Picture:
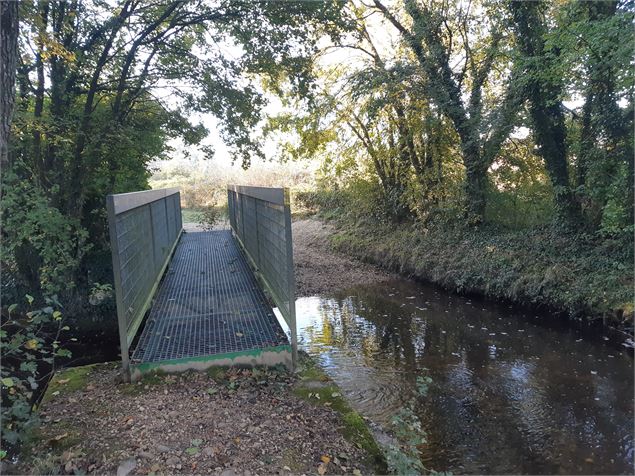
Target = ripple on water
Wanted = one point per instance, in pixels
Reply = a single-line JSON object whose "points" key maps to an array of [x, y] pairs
{"points": [[510, 394]]}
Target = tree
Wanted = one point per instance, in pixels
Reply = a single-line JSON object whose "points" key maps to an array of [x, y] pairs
{"points": [[601, 34], [373, 110], [544, 88], [8, 61], [439, 35], [103, 88]]}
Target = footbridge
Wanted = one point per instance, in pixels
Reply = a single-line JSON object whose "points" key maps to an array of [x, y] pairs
{"points": [[196, 299]]}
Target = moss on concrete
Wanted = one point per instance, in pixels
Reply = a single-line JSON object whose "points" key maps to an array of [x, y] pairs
{"points": [[69, 380], [317, 388], [156, 377]]}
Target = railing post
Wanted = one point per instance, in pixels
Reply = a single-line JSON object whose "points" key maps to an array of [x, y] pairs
{"points": [[242, 219], [290, 279], [154, 246], [179, 213], [167, 221], [121, 312], [257, 234]]}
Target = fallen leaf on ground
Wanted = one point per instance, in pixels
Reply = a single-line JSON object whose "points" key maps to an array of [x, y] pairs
{"points": [[325, 459]]}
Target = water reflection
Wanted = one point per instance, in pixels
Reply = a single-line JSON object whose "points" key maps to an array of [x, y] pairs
{"points": [[511, 393]]}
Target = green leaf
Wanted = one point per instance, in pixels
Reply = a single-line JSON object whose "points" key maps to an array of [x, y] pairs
{"points": [[196, 442], [12, 307], [66, 328], [7, 382], [57, 315], [28, 367], [63, 353], [29, 298], [192, 450]]}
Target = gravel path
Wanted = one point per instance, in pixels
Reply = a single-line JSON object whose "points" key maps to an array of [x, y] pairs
{"points": [[321, 270], [243, 422]]}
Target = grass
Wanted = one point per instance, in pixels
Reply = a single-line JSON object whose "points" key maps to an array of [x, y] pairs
{"points": [[191, 215]]}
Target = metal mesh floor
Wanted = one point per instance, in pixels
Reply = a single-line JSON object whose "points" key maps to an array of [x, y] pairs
{"points": [[209, 302]]}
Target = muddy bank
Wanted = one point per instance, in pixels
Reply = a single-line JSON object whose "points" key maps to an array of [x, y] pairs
{"points": [[319, 269], [220, 422]]}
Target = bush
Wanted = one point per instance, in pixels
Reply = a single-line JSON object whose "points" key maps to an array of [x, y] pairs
{"points": [[360, 199], [30, 344], [42, 247]]}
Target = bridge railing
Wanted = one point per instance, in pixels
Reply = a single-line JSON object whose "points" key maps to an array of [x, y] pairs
{"points": [[144, 230], [261, 220]]}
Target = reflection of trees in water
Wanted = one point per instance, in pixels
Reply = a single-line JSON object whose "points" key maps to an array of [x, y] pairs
{"points": [[382, 328], [512, 403]]}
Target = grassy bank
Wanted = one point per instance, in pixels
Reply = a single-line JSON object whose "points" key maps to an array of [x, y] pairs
{"points": [[580, 274]]}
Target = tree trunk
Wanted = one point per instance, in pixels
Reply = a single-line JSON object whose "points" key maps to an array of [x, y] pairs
{"points": [[9, 27], [543, 92], [550, 133], [475, 187], [75, 203]]}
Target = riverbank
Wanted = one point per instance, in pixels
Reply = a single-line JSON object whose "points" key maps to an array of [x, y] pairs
{"points": [[225, 421], [321, 270], [565, 274]]}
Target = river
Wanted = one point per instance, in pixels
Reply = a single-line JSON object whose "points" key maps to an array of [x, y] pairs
{"points": [[512, 391]]}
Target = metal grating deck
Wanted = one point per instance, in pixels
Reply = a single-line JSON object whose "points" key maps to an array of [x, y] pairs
{"points": [[208, 303]]}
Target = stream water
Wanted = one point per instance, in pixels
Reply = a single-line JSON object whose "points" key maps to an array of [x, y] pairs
{"points": [[512, 392]]}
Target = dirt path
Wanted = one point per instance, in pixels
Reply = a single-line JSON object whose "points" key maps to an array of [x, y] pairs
{"points": [[225, 422], [236, 422], [319, 269]]}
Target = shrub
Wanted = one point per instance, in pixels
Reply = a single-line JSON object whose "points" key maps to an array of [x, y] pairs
{"points": [[30, 344], [42, 247]]}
